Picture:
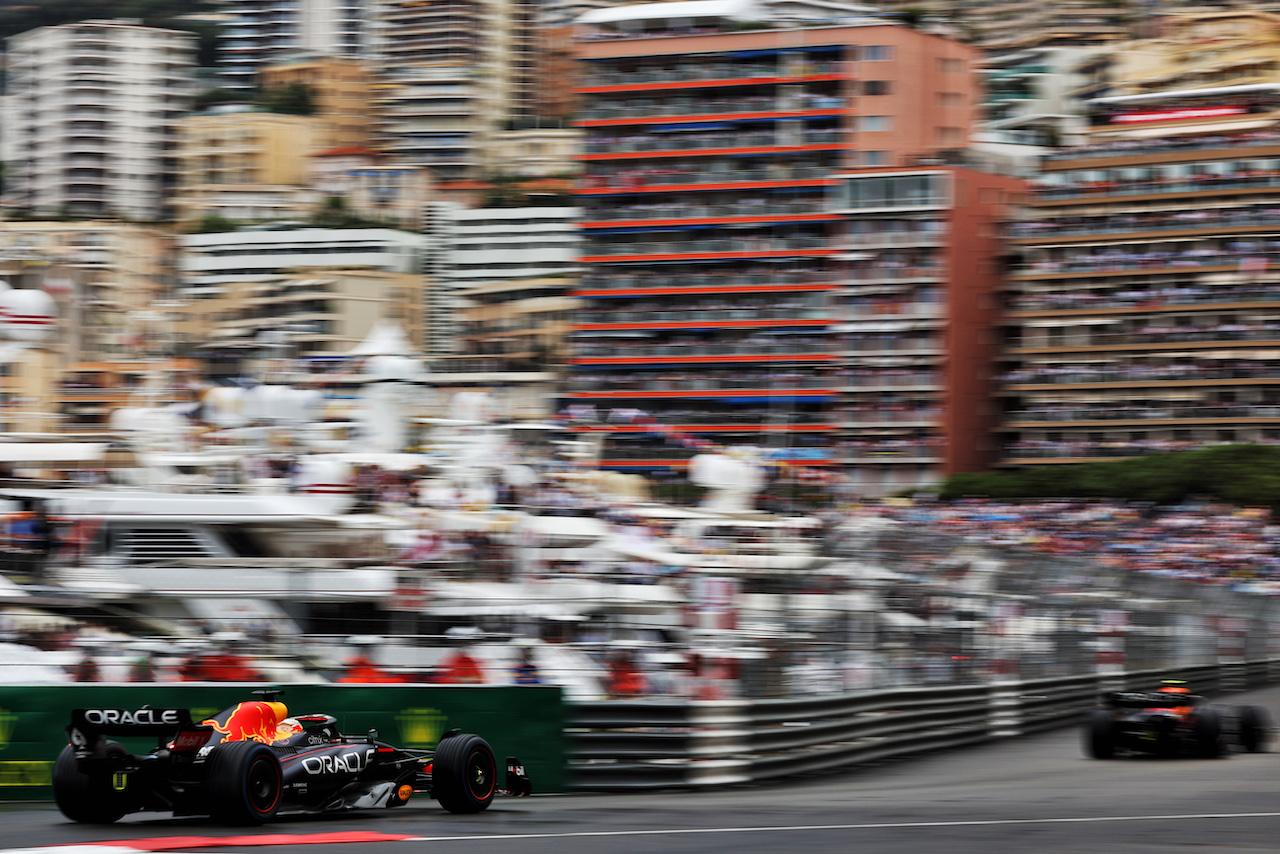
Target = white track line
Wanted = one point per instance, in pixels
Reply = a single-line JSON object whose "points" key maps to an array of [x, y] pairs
{"points": [[796, 828], [905, 825]]}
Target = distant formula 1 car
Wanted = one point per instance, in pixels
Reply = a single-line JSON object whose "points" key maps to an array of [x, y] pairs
{"points": [[252, 761], [1171, 721]]}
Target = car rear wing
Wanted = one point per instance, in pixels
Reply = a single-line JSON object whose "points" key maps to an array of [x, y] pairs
{"points": [[89, 727], [1150, 700]]}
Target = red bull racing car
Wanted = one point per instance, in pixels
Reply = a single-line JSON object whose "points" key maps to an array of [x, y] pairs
{"points": [[1171, 721], [252, 761]]}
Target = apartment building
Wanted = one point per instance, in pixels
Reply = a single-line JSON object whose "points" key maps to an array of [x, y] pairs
{"points": [[716, 246], [1010, 24], [103, 276], [450, 76], [106, 282], [921, 312], [212, 262], [509, 271], [371, 186], [245, 165], [309, 316], [259, 33], [500, 311], [310, 293], [340, 91], [91, 116], [1144, 311], [1201, 49], [1030, 95]]}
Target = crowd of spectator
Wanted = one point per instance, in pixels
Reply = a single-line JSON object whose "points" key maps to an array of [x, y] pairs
{"points": [[1091, 449], [1165, 143], [1117, 410], [1155, 297], [732, 273], [1202, 542], [1156, 370], [1118, 258], [714, 170], [1154, 221]]}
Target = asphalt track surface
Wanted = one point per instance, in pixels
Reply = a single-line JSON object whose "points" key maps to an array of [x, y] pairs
{"points": [[1031, 794]]}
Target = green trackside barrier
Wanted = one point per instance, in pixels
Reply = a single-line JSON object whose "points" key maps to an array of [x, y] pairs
{"points": [[523, 721]]}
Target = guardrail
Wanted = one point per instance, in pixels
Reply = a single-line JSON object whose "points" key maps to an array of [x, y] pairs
{"points": [[646, 745]]}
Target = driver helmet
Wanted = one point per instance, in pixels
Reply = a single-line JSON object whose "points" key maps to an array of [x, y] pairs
{"points": [[287, 728]]}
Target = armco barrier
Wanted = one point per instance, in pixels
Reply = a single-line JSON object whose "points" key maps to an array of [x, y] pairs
{"points": [[527, 721], [644, 745]]}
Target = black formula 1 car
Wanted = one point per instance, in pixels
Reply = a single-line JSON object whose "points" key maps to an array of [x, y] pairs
{"points": [[1171, 722], [252, 761]]}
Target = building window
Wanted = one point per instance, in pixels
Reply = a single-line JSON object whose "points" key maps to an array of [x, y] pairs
{"points": [[875, 123], [877, 53], [875, 158], [950, 136], [875, 87], [950, 99], [894, 191]]}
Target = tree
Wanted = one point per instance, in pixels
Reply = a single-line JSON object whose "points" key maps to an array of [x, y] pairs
{"points": [[334, 213], [912, 17], [1243, 475], [213, 223], [294, 99]]}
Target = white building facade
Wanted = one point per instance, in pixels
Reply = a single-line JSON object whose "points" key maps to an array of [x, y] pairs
{"points": [[212, 261], [90, 119], [482, 256], [262, 32]]}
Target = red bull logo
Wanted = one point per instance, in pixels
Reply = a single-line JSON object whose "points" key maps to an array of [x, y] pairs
{"points": [[251, 721]]}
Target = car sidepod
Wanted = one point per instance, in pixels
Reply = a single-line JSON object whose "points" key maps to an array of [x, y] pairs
{"points": [[346, 775]]}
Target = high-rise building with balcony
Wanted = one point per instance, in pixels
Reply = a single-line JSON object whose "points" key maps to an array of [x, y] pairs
{"points": [[91, 117], [259, 33], [501, 309], [452, 74], [716, 246], [919, 340], [1144, 310]]}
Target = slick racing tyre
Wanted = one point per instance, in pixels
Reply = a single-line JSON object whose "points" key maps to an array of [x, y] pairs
{"points": [[1208, 734], [100, 796], [1100, 734], [1254, 728], [464, 774], [243, 783]]}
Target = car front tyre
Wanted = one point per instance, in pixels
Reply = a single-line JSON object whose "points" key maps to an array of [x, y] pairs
{"points": [[464, 773], [1100, 734], [1208, 734]]}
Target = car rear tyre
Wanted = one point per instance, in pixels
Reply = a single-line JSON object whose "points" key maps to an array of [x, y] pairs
{"points": [[1208, 731], [464, 773], [1254, 728], [244, 782], [96, 797], [1100, 734]]}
